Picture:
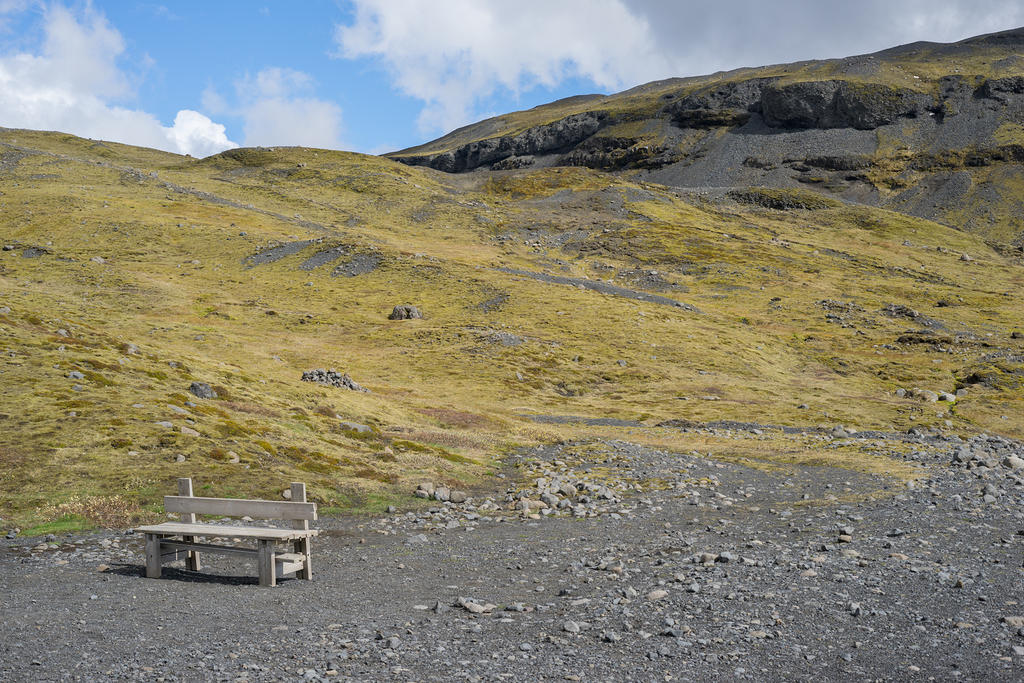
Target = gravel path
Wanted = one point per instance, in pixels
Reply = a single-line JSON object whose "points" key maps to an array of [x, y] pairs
{"points": [[601, 560]]}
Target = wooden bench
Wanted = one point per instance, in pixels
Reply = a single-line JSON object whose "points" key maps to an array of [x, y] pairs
{"points": [[172, 541]]}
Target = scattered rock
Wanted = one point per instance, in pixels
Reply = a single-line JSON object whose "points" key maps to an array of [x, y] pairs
{"points": [[474, 607], [355, 427], [332, 378], [202, 390], [405, 312]]}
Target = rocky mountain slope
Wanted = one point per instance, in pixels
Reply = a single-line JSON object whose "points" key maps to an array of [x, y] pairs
{"points": [[932, 130]]}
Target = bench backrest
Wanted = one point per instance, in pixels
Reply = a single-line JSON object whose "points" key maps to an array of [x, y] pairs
{"points": [[188, 506]]}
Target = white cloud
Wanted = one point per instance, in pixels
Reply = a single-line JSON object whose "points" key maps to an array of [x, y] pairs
{"points": [[454, 54], [199, 135], [74, 83], [277, 108]]}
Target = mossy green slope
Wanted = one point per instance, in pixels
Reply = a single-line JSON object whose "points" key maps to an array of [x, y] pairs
{"points": [[134, 269]]}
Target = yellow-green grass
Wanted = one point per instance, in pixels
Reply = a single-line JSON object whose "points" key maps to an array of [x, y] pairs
{"points": [[446, 397]]}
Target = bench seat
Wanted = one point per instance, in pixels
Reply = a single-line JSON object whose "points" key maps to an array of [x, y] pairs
{"points": [[269, 533], [173, 541]]}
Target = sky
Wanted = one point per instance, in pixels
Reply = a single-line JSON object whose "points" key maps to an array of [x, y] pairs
{"points": [[197, 77]]}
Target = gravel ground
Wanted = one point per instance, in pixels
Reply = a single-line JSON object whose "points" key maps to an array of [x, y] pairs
{"points": [[602, 560]]}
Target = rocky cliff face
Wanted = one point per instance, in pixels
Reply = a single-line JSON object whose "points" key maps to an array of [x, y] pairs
{"points": [[865, 129], [558, 136]]}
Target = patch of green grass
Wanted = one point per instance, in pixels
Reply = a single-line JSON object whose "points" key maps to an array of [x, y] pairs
{"points": [[65, 525]]}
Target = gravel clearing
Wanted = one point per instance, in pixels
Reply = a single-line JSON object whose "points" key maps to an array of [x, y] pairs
{"points": [[599, 560]]}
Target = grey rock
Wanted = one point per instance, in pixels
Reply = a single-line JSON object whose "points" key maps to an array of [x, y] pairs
{"points": [[202, 390], [1014, 463], [405, 312], [355, 427], [332, 378]]}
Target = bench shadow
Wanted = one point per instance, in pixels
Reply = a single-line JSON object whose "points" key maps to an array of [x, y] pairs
{"points": [[184, 575]]}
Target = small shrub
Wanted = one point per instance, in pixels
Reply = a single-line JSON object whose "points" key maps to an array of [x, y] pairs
{"points": [[229, 428], [104, 511], [267, 446], [222, 392], [326, 411], [98, 378]]}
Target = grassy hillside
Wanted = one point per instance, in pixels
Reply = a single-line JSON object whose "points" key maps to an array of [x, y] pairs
{"points": [[143, 272]]}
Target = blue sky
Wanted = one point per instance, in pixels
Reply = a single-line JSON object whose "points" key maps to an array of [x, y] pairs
{"points": [[379, 75]]}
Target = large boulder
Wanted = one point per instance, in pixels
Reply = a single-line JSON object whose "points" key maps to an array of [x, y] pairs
{"points": [[202, 390], [405, 312]]}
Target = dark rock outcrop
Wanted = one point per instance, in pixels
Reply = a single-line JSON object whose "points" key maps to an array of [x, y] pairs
{"points": [[728, 105], [839, 104], [550, 138]]}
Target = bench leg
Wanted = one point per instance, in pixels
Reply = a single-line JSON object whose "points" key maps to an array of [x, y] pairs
{"points": [[265, 563], [153, 564], [193, 555], [302, 547]]}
